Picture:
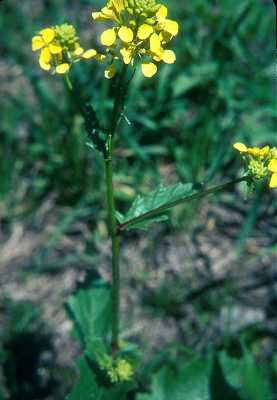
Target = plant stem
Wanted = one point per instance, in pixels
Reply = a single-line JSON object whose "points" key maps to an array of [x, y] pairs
{"points": [[115, 247], [112, 223], [68, 82]]}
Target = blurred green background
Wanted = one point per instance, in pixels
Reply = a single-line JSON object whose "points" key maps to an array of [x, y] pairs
{"points": [[179, 126]]}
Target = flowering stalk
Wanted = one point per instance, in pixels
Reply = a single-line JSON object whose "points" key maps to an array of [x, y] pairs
{"points": [[115, 246], [113, 229]]}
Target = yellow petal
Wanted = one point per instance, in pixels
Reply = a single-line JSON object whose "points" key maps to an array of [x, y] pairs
{"points": [[155, 43], [110, 72], [62, 68], [161, 13], [79, 51], [118, 5], [43, 65], [171, 27], [126, 55], [45, 55], [37, 43], [272, 166], [108, 37], [240, 147], [96, 15], [145, 31], [107, 13], [55, 49], [104, 14], [47, 34], [264, 151], [254, 151], [148, 69], [273, 181], [126, 34], [169, 57], [89, 54]]}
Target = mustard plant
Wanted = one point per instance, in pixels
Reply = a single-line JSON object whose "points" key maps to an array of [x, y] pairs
{"points": [[139, 33]]}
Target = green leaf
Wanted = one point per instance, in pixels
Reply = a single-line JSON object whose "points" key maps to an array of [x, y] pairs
{"points": [[160, 199], [191, 383], [255, 382], [91, 310], [95, 132], [275, 364], [219, 386], [231, 368], [86, 387]]}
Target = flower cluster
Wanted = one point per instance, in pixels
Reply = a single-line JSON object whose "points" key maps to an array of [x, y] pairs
{"points": [[140, 30], [260, 162], [59, 48], [118, 370], [122, 371]]}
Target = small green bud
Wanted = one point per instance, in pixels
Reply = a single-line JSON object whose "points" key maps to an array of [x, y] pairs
{"points": [[141, 7], [257, 169], [66, 35]]}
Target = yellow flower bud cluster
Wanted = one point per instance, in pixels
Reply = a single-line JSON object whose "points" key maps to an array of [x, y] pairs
{"points": [[118, 370], [141, 6], [260, 162], [59, 48], [121, 371], [140, 30]]}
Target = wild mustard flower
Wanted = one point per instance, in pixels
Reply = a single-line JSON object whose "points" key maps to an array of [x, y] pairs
{"points": [[139, 31], [59, 48], [260, 162]]}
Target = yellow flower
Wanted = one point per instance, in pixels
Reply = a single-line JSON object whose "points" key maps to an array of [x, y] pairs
{"points": [[44, 41], [59, 48], [140, 30], [260, 162]]}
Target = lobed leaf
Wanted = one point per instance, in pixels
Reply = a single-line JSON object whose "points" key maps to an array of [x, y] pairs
{"points": [[160, 199], [191, 383]]}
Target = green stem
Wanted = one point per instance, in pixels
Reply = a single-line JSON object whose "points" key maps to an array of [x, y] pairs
{"points": [[167, 206], [115, 247], [121, 91], [112, 223], [68, 82]]}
